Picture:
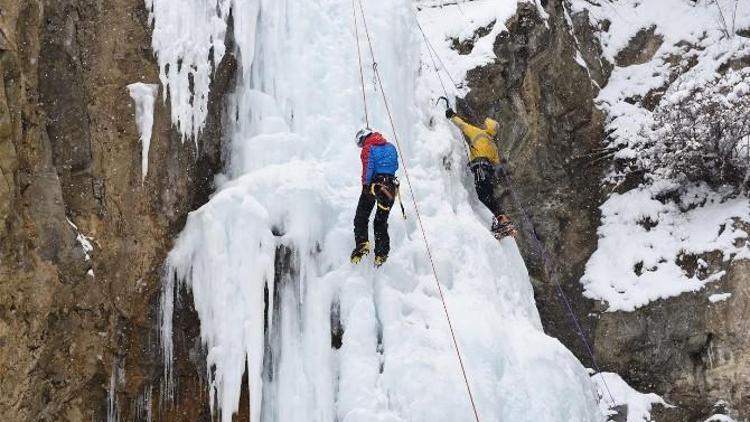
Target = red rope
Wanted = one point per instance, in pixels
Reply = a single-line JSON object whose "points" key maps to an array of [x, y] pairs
{"points": [[419, 217]]}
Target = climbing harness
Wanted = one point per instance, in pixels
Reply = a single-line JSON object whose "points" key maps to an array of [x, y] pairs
{"points": [[378, 189], [416, 206], [381, 189], [392, 197]]}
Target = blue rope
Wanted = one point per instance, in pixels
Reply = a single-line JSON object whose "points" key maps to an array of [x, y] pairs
{"points": [[554, 276]]}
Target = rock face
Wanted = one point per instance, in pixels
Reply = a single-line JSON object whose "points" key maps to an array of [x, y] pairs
{"points": [[550, 132], [692, 352], [70, 175]]}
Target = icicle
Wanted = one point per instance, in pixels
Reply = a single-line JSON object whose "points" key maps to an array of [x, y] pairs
{"points": [[144, 96]]}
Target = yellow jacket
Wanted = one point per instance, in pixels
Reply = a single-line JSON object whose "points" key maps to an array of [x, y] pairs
{"points": [[481, 144]]}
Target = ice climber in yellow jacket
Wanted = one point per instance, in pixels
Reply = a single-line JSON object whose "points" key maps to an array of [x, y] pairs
{"points": [[484, 159]]}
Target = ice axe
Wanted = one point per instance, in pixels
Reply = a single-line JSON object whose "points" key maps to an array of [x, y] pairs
{"points": [[398, 196], [447, 102]]}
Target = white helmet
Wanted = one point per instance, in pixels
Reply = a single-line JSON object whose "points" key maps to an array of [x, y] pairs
{"points": [[362, 136]]}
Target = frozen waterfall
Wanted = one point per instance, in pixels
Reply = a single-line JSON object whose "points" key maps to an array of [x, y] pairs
{"points": [[267, 258]]}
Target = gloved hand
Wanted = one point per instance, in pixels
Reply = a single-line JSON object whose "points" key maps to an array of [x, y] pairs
{"points": [[449, 113]]}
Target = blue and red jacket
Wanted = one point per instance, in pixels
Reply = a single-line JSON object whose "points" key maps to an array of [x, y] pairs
{"points": [[378, 157]]}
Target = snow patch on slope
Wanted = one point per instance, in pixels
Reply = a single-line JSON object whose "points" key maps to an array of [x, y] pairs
{"points": [[83, 240], [643, 239], [690, 32], [719, 297], [635, 264], [720, 418], [637, 405], [460, 22]]}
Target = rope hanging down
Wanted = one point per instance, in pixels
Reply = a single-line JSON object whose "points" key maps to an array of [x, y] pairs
{"points": [[432, 51], [432, 58], [359, 59], [419, 217]]}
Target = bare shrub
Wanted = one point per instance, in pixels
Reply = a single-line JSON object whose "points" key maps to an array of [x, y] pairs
{"points": [[702, 134]]}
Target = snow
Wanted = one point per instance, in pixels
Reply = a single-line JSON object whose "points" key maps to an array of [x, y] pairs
{"points": [[290, 189], [637, 405], [144, 96], [722, 412], [627, 243], [693, 39], [720, 418], [719, 297], [689, 31], [84, 241], [441, 24], [675, 20]]}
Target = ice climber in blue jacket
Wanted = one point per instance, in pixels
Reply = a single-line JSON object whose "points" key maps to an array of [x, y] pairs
{"points": [[379, 187]]}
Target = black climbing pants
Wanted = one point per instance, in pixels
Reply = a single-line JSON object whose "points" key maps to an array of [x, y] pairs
{"points": [[384, 189], [484, 182]]}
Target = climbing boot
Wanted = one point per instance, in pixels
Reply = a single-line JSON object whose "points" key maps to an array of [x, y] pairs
{"points": [[360, 252], [502, 227], [380, 260]]}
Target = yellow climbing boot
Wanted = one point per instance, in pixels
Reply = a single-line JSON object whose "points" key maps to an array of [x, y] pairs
{"points": [[360, 252], [380, 260], [503, 227]]}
